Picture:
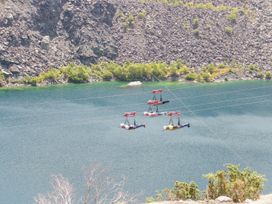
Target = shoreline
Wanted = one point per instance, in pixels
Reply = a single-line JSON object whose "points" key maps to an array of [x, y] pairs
{"points": [[175, 71], [124, 84]]}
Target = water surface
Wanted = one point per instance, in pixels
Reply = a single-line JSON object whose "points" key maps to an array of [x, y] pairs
{"points": [[63, 129]]}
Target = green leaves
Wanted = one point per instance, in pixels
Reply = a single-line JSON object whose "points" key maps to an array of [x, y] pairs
{"points": [[232, 182], [235, 183], [180, 191]]}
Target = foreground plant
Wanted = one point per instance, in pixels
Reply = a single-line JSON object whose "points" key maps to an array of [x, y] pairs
{"points": [[99, 189], [180, 191], [235, 183]]}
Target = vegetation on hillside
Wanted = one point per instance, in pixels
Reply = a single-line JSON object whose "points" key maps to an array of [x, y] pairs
{"points": [[107, 71], [233, 182], [2, 78], [209, 6], [153, 71]]}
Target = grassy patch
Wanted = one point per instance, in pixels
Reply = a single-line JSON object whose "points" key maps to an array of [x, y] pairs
{"points": [[229, 30], [207, 6], [142, 14]]}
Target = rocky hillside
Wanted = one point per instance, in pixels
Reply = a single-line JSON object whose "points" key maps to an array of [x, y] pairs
{"points": [[36, 35]]}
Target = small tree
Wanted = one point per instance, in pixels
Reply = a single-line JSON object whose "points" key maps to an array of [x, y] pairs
{"points": [[62, 192], [180, 191], [235, 183], [268, 75], [102, 189], [99, 189]]}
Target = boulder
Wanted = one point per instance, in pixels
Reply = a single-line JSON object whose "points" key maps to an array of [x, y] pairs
{"points": [[8, 20], [14, 70], [248, 201], [135, 83], [45, 42], [223, 199]]}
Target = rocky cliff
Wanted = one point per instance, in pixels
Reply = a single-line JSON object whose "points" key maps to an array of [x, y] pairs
{"points": [[36, 35]]}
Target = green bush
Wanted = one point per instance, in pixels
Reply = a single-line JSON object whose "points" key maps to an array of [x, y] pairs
{"points": [[211, 68], [180, 191], [53, 75], [254, 67], [260, 75], [233, 15], [130, 21], [206, 76], [229, 30], [2, 78], [195, 23], [106, 75], [183, 191], [76, 74], [142, 14], [268, 75], [191, 77], [235, 183]]}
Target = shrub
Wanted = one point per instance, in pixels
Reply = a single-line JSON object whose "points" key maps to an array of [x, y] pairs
{"points": [[235, 183], [180, 191], [76, 74], [268, 75], [142, 14], [173, 72], [233, 15], [221, 66], [183, 191], [184, 70], [195, 23], [191, 77], [120, 74], [211, 68], [186, 25], [260, 75], [2, 78], [229, 30], [130, 21], [206, 76], [254, 67], [106, 75], [53, 76]]}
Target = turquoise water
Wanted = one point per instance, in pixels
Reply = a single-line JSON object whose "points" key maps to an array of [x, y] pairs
{"points": [[64, 129]]}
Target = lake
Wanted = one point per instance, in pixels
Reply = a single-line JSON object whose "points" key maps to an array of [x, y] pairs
{"points": [[64, 129]]}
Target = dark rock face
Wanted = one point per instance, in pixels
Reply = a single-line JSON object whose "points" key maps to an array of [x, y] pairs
{"points": [[103, 12], [47, 16], [39, 34]]}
